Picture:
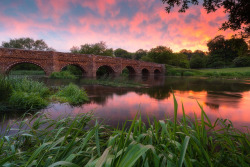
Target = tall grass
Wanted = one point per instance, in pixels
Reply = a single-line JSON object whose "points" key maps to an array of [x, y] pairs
{"points": [[73, 142], [26, 94], [71, 94], [62, 75]]}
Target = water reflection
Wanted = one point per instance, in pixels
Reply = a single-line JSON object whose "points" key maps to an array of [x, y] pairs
{"points": [[220, 98]]}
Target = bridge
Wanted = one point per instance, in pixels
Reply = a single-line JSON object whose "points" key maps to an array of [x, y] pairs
{"points": [[51, 61]]}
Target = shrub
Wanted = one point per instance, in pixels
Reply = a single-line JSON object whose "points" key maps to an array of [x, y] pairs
{"points": [[27, 101], [188, 73], [5, 89], [30, 86], [242, 61], [196, 62], [62, 75], [71, 94]]}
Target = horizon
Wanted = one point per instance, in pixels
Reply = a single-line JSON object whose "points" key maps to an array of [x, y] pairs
{"points": [[130, 25]]}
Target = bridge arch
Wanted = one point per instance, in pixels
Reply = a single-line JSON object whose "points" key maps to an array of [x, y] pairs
{"points": [[12, 65], [145, 71], [131, 70], [103, 70], [78, 66], [157, 72]]}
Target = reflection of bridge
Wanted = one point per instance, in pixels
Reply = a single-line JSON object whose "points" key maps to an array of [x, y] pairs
{"points": [[51, 61]]}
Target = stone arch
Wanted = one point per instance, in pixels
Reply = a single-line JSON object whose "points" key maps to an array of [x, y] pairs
{"points": [[84, 72], [157, 72], [145, 71], [9, 67], [109, 69], [131, 70]]}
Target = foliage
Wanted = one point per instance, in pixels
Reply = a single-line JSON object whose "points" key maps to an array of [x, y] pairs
{"points": [[160, 54], [71, 94], [5, 89], [179, 59], [28, 94], [27, 43], [147, 59], [99, 48], [73, 69], [21, 100], [170, 142], [26, 72], [238, 18], [140, 53], [62, 75], [243, 61], [122, 53], [224, 51], [196, 62]]}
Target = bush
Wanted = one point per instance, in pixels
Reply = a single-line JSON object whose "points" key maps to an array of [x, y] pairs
{"points": [[62, 75], [5, 89], [188, 73], [27, 101], [242, 61], [71, 94], [196, 62], [30, 86]]}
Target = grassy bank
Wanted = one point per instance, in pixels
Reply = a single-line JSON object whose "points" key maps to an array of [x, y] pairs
{"points": [[74, 142], [27, 72], [242, 72], [26, 94]]}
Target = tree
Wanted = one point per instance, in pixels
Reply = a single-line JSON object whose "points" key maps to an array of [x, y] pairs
{"points": [[225, 50], [99, 48], [160, 54], [122, 53], [27, 43], [238, 10], [140, 53], [189, 53], [196, 61]]}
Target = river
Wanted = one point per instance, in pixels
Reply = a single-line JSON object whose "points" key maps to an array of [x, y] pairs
{"points": [[220, 98]]}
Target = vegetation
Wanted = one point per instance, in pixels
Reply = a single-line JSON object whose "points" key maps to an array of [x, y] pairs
{"points": [[27, 72], [96, 49], [71, 94], [122, 53], [27, 43], [238, 17], [26, 94], [243, 72], [74, 142], [62, 75]]}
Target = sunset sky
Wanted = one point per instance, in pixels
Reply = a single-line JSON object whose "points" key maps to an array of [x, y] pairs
{"points": [[127, 24]]}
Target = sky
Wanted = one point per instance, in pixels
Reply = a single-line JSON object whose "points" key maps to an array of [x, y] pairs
{"points": [[127, 24]]}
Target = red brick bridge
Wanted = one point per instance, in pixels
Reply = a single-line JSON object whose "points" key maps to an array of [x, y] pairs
{"points": [[51, 61]]}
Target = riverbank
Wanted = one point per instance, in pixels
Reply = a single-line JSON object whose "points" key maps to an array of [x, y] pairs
{"points": [[242, 72], [77, 142], [23, 94]]}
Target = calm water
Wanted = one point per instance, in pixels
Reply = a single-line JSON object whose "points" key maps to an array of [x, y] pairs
{"points": [[228, 99]]}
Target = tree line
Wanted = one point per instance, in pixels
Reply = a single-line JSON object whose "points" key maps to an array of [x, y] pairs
{"points": [[233, 52]]}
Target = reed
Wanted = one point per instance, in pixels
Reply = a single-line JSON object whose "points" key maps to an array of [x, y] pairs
{"points": [[74, 142]]}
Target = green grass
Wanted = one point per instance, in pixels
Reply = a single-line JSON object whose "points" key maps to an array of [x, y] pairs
{"points": [[114, 82], [241, 72], [23, 94], [71, 94], [26, 72], [62, 75], [74, 142]]}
